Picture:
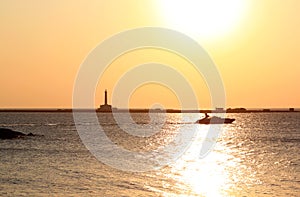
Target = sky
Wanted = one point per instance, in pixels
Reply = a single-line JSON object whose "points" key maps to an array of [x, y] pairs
{"points": [[255, 45]]}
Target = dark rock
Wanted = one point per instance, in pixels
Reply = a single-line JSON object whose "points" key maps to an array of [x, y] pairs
{"points": [[10, 134]]}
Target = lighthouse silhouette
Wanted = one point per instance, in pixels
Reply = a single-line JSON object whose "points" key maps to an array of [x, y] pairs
{"points": [[106, 107]]}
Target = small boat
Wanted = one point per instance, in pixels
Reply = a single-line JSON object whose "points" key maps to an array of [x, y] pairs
{"points": [[215, 120]]}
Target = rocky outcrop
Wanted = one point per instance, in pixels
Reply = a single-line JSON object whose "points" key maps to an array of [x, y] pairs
{"points": [[11, 134]]}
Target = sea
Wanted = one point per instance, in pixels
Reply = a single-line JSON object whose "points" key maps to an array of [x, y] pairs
{"points": [[256, 155]]}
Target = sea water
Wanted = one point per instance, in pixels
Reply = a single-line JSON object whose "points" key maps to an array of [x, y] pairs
{"points": [[257, 155]]}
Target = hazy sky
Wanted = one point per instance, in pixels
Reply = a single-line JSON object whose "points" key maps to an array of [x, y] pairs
{"points": [[255, 45]]}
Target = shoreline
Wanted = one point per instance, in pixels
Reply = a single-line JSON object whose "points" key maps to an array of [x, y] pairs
{"points": [[153, 110]]}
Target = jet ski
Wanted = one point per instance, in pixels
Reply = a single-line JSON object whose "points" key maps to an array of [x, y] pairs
{"points": [[214, 120]]}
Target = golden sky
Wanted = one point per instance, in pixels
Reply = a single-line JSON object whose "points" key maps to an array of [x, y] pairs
{"points": [[255, 45]]}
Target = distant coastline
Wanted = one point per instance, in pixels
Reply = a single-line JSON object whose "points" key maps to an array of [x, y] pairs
{"points": [[229, 110]]}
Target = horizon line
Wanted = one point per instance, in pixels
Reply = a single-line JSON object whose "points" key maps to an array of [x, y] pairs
{"points": [[159, 110]]}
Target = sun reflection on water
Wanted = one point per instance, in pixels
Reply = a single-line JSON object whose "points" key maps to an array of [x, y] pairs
{"points": [[204, 176], [223, 172]]}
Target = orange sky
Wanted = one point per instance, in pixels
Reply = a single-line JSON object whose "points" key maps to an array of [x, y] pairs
{"points": [[43, 44]]}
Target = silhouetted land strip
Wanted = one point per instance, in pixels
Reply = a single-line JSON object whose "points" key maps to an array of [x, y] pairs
{"points": [[229, 110]]}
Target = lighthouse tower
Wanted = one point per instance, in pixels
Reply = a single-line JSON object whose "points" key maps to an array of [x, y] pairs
{"points": [[106, 107], [105, 97]]}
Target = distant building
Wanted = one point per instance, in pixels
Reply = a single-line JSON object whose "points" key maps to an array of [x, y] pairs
{"points": [[219, 109], [236, 110], [291, 109], [266, 110], [106, 107]]}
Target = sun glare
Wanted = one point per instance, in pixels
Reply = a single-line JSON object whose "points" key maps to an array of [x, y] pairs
{"points": [[204, 18]]}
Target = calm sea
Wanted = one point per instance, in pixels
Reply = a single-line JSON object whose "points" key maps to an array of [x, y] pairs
{"points": [[257, 155]]}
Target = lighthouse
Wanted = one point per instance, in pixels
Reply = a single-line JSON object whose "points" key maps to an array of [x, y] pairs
{"points": [[106, 107], [105, 97]]}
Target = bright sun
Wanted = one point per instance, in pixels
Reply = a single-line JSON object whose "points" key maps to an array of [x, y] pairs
{"points": [[204, 18]]}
